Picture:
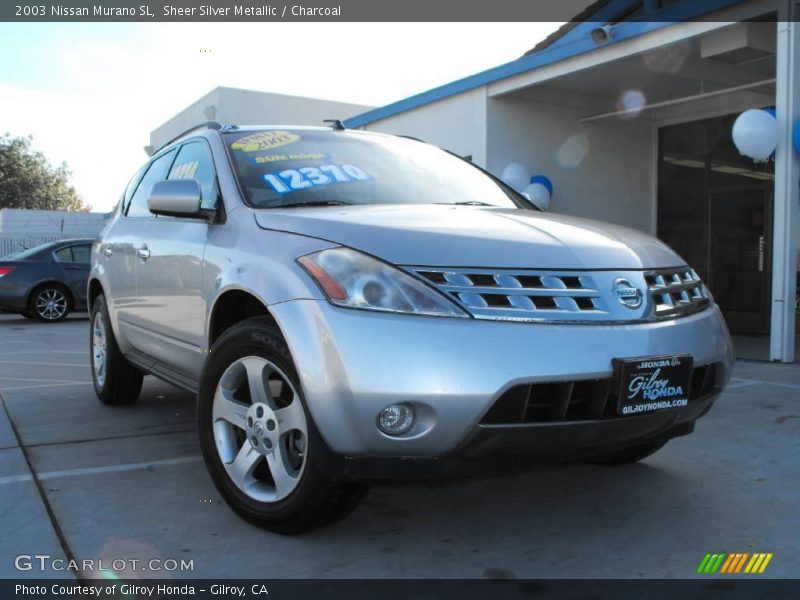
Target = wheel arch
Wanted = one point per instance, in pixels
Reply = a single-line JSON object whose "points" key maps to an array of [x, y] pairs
{"points": [[94, 289], [232, 306]]}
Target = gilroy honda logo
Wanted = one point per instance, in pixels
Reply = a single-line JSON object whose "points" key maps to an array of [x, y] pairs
{"points": [[737, 562], [653, 388]]}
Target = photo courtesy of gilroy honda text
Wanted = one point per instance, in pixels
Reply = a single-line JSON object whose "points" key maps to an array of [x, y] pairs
{"points": [[345, 301]]}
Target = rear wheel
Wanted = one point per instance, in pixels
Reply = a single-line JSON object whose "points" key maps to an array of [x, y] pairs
{"points": [[259, 443], [627, 456], [50, 303], [116, 380]]}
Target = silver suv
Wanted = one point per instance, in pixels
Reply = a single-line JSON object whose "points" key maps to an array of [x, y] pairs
{"points": [[352, 307]]}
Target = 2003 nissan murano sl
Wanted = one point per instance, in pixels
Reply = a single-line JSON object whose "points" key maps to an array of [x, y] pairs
{"points": [[350, 306]]}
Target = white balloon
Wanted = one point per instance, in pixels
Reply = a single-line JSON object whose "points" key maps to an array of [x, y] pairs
{"points": [[538, 194], [516, 175], [756, 133]]}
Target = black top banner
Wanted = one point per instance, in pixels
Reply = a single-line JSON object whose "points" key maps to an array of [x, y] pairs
{"points": [[302, 10], [361, 10]]}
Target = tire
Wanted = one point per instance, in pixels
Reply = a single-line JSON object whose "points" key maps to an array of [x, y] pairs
{"points": [[116, 380], [247, 462], [627, 456], [26, 314], [50, 303]]}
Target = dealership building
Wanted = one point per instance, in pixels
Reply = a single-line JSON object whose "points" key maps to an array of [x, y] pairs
{"points": [[628, 110]]}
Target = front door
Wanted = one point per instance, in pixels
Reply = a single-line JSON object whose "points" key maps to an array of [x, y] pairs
{"points": [[169, 272], [739, 256]]}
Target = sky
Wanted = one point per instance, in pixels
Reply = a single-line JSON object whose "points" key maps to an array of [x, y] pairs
{"points": [[91, 93]]}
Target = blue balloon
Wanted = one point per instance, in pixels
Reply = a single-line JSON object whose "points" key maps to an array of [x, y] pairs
{"points": [[770, 110], [544, 181], [796, 136]]}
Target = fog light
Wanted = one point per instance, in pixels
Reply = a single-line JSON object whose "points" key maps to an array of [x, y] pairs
{"points": [[396, 419]]}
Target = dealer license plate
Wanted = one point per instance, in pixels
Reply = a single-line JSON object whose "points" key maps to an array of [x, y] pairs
{"points": [[653, 383]]}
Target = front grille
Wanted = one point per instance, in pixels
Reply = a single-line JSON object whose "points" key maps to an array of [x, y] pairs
{"points": [[675, 292], [580, 400], [568, 296], [521, 295]]}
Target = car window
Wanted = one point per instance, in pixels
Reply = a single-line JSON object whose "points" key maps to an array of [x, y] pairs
{"points": [[81, 253], [156, 172], [126, 196], [78, 253], [64, 255], [194, 162]]}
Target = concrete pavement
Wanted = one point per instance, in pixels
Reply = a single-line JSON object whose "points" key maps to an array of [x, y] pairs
{"points": [[128, 482]]}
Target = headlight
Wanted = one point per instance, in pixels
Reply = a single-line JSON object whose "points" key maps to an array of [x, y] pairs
{"points": [[355, 280]]}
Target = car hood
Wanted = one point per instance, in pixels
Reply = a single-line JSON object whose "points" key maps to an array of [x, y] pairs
{"points": [[475, 236]]}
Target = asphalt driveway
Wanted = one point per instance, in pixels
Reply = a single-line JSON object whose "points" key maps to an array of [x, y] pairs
{"points": [[88, 481]]}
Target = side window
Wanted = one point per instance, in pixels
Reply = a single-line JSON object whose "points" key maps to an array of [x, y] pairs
{"points": [[79, 253], [82, 253], [194, 162], [64, 255], [126, 197], [156, 172]]}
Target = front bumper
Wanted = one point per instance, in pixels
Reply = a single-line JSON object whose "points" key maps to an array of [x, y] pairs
{"points": [[353, 363]]}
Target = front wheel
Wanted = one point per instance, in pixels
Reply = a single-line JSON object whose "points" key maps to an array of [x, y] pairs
{"points": [[259, 443]]}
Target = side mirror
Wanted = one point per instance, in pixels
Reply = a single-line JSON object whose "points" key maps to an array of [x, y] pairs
{"points": [[175, 198]]}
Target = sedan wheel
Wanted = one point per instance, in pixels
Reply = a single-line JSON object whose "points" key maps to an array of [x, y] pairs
{"points": [[50, 304]]}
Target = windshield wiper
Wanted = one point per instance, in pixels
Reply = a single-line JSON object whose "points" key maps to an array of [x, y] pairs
{"points": [[469, 203], [314, 203]]}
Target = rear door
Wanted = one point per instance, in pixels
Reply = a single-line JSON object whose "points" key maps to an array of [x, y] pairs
{"points": [[73, 269], [169, 271]]}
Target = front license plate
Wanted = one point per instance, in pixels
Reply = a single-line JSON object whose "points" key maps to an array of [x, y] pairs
{"points": [[653, 383]]}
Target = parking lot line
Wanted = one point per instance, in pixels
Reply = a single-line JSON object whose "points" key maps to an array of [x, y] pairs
{"points": [[15, 352], [42, 385], [42, 364], [4, 378], [167, 462]]}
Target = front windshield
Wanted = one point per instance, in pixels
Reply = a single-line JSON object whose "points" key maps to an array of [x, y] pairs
{"points": [[278, 168]]}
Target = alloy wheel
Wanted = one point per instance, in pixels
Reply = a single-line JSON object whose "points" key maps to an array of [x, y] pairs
{"points": [[51, 304], [99, 349], [260, 429]]}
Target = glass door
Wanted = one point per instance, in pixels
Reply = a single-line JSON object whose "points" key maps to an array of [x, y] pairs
{"points": [[714, 209], [739, 256]]}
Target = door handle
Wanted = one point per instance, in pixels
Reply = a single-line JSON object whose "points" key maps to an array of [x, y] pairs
{"points": [[143, 253], [761, 245], [108, 251]]}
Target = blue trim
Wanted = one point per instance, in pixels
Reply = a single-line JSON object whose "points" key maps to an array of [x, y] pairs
{"points": [[573, 43]]}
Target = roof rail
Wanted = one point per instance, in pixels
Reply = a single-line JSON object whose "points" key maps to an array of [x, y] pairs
{"points": [[216, 126], [335, 124]]}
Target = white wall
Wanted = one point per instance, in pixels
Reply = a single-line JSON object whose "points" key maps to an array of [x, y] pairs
{"points": [[602, 170], [52, 223], [457, 123], [248, 107]]}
